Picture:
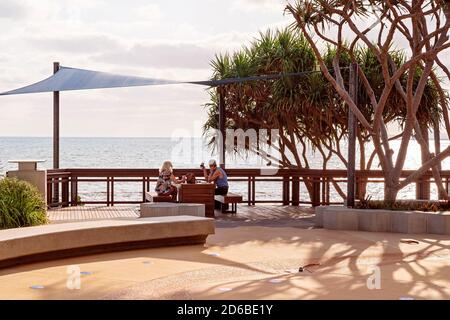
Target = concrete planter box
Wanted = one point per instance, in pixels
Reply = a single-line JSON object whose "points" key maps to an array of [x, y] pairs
{"points": [[376, 221], [161, 209], [342, 218], [409, 222], [438, 223]]}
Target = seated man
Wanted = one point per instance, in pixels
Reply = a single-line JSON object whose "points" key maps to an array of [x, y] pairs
{"points": [[217, 176]]}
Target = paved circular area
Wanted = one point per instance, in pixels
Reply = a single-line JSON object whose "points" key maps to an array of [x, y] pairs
{"points": [[251, 259]]}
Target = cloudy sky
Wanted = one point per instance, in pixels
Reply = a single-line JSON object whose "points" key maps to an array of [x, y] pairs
{"points": [[156, 38]]}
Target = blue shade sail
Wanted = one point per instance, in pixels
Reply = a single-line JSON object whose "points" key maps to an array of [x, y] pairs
{"points": [[79, 79], [67, 79]]}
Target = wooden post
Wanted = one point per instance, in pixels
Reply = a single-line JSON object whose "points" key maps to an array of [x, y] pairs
{"points": [[316, 192], [249, 200], [49, 192], [221, 146], [56, 135], [74, 190], [353, 91], [108, 192], [286, 191], [253, 191], [295, 191], [143, 189], [112, 191], [65, 192]]}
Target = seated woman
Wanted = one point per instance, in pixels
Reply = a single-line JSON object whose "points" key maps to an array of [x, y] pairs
{"points": [[166, 184]]}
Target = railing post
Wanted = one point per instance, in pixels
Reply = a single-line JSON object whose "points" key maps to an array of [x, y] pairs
{"points": [[108, 192], [286, 190], [65, 191], [446, 185], [357, 188], [316, 192], [49, 192], [295, 191], [249, 191], [74, 190], [143, 189], [112, 191], [323, 191], [253, 190], [423, 189]]}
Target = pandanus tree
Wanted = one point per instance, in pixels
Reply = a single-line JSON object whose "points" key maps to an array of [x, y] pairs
{"points": [[296, 106], [394, 114], [306, 109], [423, 26]]}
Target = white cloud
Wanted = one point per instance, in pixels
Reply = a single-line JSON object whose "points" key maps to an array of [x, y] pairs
{"points": [[161, 39], [149, 12], [162, 55], [12, 9], [261, 5], [90, 43]]}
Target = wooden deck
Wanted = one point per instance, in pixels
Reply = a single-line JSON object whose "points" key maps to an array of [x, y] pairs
{"points": [[92, 213], [246, 214]]}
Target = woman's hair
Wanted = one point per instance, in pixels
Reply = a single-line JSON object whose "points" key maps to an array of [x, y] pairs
{"points": [[166, 166]]}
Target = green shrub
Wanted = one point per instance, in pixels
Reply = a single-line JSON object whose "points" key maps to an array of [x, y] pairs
{"points": [[404, 205], [79, 201], [21, 204]]}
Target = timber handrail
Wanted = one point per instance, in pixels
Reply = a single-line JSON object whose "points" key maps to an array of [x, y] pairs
{"points": [[320, 180]]}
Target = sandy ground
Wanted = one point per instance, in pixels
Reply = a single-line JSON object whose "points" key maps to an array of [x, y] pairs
{"points": [[252, 259]]}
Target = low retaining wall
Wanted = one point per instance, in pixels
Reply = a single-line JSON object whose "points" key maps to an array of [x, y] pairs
{"points": [[163, 209], [54, 241], [342, 218]]}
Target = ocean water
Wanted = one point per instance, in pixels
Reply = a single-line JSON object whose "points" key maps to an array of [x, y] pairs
{"points": [[150, 152]]}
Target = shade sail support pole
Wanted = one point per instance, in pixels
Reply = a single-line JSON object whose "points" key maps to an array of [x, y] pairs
{"points": [[221, 127], [55, 134], [351, 179]]}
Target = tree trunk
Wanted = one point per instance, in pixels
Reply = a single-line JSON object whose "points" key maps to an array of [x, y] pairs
{"points": [[390, 194], [423, 185], [437, 150], [361, 185]]}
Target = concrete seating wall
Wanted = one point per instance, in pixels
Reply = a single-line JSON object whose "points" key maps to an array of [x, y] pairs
{"points": [[54, 241], [342, 218]]}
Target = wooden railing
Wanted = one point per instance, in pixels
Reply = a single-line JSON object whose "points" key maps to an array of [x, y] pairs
{"points": [[291, 181]]}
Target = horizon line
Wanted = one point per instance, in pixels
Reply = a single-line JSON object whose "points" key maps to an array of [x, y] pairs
{"points": [[132, 137], [111, 137]]}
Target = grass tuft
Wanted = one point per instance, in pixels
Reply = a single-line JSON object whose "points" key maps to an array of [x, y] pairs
{"points": [[21, 204]]}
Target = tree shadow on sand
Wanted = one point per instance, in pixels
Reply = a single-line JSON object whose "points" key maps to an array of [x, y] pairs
{"points": [[246, 258]]}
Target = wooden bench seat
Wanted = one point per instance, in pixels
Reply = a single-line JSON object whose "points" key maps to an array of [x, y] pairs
{"points": [[154, 197], [230, 198]]}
